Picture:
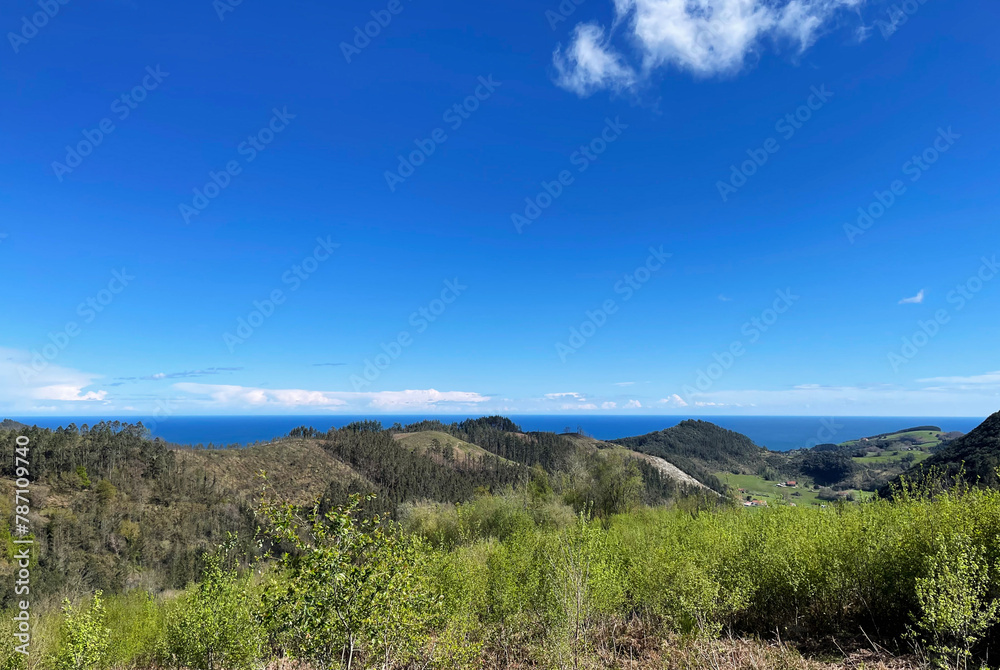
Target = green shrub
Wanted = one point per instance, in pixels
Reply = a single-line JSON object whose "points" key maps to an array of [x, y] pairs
{"points": [[217, 624], [85, 639], [351, 587], [954, 610], [137, 623]]}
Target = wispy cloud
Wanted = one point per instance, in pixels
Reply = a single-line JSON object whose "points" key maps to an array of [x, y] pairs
{"points": [[624, 383], [180, 375], [913, 300], [988, 379], [24, 380], [703, 37], [674, 400], [231, 396], [724, 298], [568, 394], [859, 400], [589, 63]]}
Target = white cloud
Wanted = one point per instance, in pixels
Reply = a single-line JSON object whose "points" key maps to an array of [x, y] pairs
{"points": [[422, 398], [26, 378], [570, 394], [674, 400], [609, 405], [589, 63], [68, 393], [624, 383], [915, 300], [724, 298], [703, 37], [972, 381], [633, 404], [253, 397], [874, 400]]}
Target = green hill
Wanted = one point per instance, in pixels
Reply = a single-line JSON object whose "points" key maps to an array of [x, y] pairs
{"points": [[702, 449], [977, 455]]}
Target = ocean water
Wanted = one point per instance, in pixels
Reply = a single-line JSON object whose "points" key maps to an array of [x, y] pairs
{"points": [[778, 433]]}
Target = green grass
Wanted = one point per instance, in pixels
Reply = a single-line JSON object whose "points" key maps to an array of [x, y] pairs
{"points": [[926, 439], [762, 489], [893, 455]]}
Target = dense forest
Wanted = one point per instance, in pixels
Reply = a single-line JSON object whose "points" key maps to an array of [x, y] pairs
{"points": [[701, 448]]}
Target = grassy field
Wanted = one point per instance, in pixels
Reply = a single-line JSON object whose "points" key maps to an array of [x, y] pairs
{"points": [[770, 492], [925, 438], [895, 446], [892, 455], [918, 443]]}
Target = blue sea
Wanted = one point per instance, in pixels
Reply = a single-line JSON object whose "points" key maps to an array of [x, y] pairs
{"points": [[778, 433]]}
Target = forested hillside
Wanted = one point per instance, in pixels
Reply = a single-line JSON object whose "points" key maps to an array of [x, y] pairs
{"points": [[702, 449], [113, 509], [974, 457]]}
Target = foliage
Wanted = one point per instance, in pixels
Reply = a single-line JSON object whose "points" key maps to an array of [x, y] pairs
{"points": [[349, 586], [217, 624], [85, 637], [954, 610]]}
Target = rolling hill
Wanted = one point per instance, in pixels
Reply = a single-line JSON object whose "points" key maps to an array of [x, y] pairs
{"points": [[702, 449], [975, 457]]}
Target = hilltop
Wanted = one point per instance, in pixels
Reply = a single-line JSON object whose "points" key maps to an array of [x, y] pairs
{"points": [[974, 457], [702, 450]]}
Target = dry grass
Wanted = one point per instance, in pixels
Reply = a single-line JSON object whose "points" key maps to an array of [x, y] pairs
{"points": [[298, 470], [422, 441]]}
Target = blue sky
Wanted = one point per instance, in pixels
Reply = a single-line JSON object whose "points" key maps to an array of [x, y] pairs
{"points": [[647, 206]]}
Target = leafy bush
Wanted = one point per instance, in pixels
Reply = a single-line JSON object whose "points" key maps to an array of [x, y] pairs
{"points": [[85, 638], [954, 611], [349, 587], [217, 624]]}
